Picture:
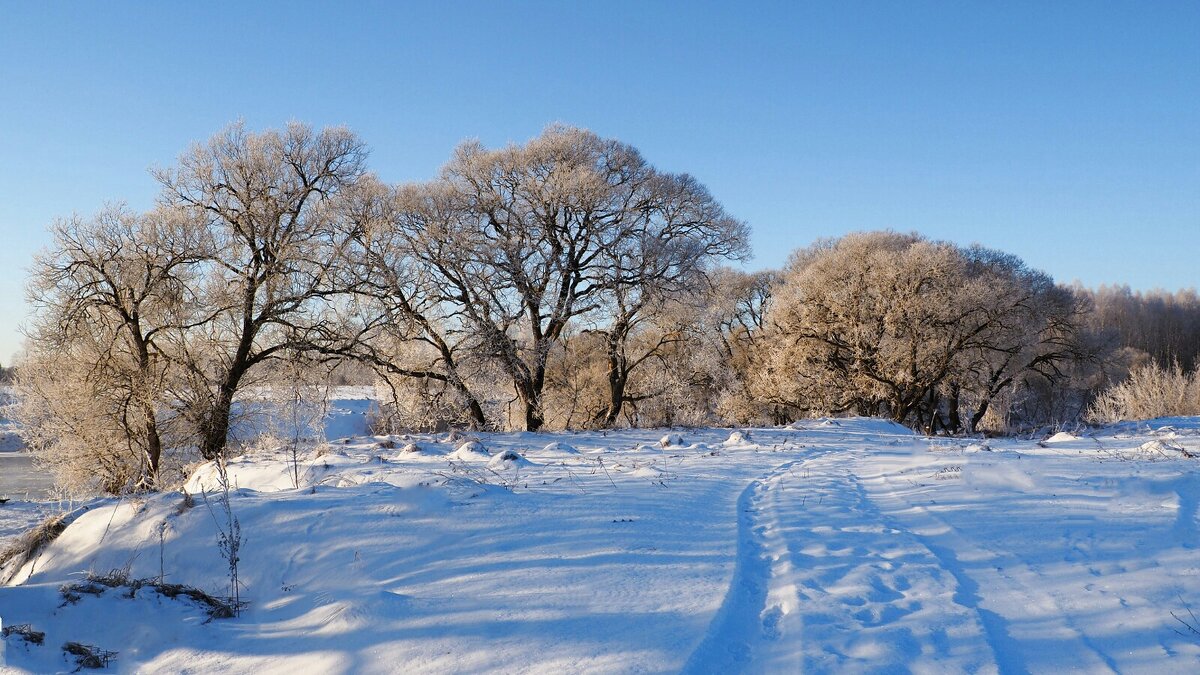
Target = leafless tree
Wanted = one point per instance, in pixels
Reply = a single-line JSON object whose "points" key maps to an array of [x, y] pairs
{"points": [[887, 323], [266, 200], [1163, 324], [528, 239], [400, 320], [105, 295]]}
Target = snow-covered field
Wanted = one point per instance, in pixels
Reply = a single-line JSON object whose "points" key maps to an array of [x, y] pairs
{"points": [[845, 545]]}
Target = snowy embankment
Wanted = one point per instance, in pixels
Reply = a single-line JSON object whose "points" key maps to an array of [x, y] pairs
{"points": [[837, 545]]}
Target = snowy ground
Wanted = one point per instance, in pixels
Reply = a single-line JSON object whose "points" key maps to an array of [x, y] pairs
{"points": [[835, 546]]}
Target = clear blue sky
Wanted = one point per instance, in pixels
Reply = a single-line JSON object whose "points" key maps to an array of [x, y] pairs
{"points": [[1067, 133]]}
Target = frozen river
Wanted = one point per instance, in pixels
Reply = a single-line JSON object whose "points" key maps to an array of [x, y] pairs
{"points": [[19, 479]]}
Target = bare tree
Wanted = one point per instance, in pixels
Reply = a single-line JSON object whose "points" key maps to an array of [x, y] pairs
{"points": [[1031, 329], [664, 259], [400, 321], [736, 333], [105, 295], [531, 238], [266, 201], [1163, 324], [886, 323]]}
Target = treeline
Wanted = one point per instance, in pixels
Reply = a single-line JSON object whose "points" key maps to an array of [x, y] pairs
{"points": [[563, 283], [1158, 325]]}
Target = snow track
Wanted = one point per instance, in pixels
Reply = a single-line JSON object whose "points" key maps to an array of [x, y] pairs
{"points": [[1026, 593], [822, 583]]}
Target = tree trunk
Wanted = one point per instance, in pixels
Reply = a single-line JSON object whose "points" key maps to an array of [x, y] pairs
{"points": [[532, 402], [955, 425], [978, 416], [153, 442], [216, 428], [533, 416], [474, 409], [618, 377]]}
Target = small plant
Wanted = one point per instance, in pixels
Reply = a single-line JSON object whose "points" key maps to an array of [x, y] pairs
{"points": [[97, 584], [25, 632], [229, 533], [1192, 626], [162, 529], [89, 656]]}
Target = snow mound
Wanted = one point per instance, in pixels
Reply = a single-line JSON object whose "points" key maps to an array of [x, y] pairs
{"points": [[412, 448], [557, 448], [738, 438], [456, 437], [1061, 437], [509, 459], [1161, 449], [471, 451], [648, 471], [670, 440]]}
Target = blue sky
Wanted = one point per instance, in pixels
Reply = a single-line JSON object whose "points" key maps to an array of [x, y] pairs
{"points": [[1067, 133]]}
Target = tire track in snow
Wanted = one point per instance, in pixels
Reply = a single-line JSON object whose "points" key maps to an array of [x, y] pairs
{"points": [[742, 620], [1009, 580], [821, 583]]}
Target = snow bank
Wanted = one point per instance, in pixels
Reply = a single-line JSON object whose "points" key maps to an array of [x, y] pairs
{"points": [[508, 459]]}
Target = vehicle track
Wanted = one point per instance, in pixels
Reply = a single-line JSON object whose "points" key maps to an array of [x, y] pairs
{"points": [[822, 583]]}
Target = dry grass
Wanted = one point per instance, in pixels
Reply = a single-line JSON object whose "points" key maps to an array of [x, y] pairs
{"points": [[25, 632], [96, 584], [89, 656], [30, 544]]}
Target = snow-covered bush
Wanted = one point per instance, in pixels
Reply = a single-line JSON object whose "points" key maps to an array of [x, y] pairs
{"points": [[1151, 391]]}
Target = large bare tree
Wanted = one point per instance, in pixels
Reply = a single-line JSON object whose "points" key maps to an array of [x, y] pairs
{"points": [[887, 323], [531, 238], [399, 319], [267, 202], [106, 294]]}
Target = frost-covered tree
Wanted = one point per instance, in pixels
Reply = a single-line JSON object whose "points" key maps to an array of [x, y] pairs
{"points": [[529, 239], [896, 324], [736, 343], [401, 320], [1030, 330], [1163, 324], [266, 201], [106, 294], [660, 268]]}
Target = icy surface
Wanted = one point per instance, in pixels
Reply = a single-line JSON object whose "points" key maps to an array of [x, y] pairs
{"points": [[845, 545]]}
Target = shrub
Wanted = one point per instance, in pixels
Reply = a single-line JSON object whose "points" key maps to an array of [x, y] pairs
{"points": [[1150, 391]]}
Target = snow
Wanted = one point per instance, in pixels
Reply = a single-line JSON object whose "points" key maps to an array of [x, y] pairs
{"points": [[470, 451], [846, 545]]}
